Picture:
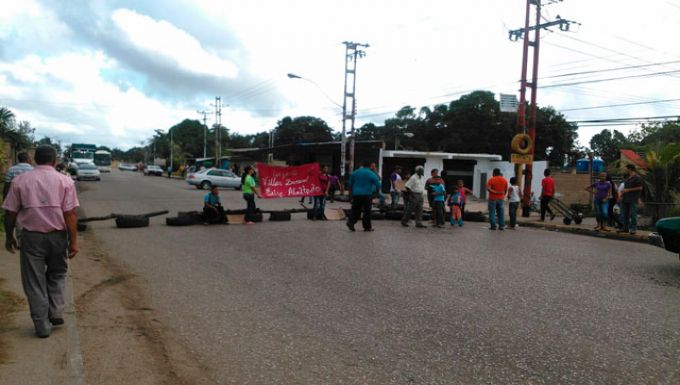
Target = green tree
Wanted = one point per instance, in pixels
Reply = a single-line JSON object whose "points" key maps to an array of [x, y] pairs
{"points": [[607, 145], [662, 177], [302, 129]]}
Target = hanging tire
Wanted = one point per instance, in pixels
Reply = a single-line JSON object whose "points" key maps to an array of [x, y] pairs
{"points": [[279, 217], [131, 221], [521, 144]]}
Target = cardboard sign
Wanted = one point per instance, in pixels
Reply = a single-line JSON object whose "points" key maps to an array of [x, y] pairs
{"points": [[521, 159], [293, 181]]}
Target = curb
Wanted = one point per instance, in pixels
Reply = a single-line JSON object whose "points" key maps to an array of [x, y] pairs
{"points": [[579, 230]]}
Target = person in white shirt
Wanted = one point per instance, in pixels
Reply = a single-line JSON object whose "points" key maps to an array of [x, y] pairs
{"points": [[394, 190], [514, 197], [415, 187]]}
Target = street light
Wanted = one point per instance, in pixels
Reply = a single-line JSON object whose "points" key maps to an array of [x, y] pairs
{"points": [[343, 138]]}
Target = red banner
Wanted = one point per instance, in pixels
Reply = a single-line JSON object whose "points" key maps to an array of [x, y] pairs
{"points": [[293, 181]]}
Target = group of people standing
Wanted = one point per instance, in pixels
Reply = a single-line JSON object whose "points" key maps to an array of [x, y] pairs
{"points": [[607, 195]]}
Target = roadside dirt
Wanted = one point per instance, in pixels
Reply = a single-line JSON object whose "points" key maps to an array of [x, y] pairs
{"points": [[122, 339], [9, 304]]}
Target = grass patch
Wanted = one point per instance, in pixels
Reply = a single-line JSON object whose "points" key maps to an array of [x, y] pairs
{"points": [[9, 304]]}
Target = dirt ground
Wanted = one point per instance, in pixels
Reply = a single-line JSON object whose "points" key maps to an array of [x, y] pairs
{"points": [[9, 304], [122, 341]]}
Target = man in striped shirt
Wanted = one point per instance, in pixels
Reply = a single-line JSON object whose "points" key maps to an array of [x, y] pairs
{"points": [[16, 170]]}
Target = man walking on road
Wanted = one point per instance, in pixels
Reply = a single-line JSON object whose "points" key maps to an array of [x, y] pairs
{"points": [[44, 202], [16, 170], [632, 189], [362, 184], [497, 187], [415, 188], [547, 193]]}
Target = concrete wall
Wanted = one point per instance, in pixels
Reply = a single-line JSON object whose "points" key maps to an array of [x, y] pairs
{"points": [[508, 171], [570, 187]]}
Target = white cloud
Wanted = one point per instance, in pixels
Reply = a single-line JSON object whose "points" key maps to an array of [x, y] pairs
{"points": [[161, 38]]}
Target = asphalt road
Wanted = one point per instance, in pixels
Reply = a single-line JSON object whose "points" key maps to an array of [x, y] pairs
{"points": [[306, 302]]}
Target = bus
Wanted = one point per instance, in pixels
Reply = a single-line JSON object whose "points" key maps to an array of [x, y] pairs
{"points": [[102, 159]]}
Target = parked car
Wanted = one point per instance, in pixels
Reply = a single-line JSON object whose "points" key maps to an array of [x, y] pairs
{"points": [[152, 169], [87, 171], [127, 167], [205, 179], [667, 235]]}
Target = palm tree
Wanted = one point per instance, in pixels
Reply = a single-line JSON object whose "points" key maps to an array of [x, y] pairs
{"points": [[662, 178], [7, 121]]}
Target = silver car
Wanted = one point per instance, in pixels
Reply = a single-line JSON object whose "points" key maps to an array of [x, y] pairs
{"points": [[87, 171], [205, 179]]}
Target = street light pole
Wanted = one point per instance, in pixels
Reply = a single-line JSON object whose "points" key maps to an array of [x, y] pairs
{"points": [[171, 146]]}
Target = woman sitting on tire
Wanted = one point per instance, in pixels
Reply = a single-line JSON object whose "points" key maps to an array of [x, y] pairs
{"points": [[212, 207], [249, 192]]}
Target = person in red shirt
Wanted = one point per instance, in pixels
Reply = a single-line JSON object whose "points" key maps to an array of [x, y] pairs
{"points": [[498, 188], [320, 200], [547, 193]]}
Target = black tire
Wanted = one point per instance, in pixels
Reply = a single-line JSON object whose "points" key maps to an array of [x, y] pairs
{"points": [[205, 185], [257, 217], [280, 217], [578, 219], [185, 220], [82, 226], [198, 186], [188, 213], [131, 221], [566, 221], [394, 215]]}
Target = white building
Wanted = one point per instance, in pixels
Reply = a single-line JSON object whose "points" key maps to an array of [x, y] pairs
{"points": [[474, 169]]}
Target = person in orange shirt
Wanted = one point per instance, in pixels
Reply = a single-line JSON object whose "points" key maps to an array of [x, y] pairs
{"points": [[498, 188]]}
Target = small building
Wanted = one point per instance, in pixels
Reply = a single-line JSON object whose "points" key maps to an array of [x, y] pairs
{"points": [[474, 169]]}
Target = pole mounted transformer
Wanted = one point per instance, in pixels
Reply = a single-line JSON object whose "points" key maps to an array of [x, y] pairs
{"points": [[352, 53]]}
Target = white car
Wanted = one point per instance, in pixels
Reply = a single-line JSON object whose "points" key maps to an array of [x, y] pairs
{"points": [[87, 171], [205, 179], [127, 167]]}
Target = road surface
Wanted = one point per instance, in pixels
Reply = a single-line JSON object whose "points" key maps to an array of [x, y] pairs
{"points": [[306, 302]]}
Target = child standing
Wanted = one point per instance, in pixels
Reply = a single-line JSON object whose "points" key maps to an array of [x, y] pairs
{"points": [[514, 197], [456, 203], [438, 198]]}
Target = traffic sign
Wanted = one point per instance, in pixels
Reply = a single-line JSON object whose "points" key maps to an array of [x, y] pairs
{"points": [[521, 159]]}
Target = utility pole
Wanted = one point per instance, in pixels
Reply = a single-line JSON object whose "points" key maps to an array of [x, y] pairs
{"points": [[529, 126], [218, 130], [352, 53], [205, 132]]}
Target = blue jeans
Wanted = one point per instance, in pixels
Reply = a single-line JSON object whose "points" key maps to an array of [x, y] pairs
{"points": [[319, 206], [496, 207], [395, 198], [601, 210], [513, 213]]}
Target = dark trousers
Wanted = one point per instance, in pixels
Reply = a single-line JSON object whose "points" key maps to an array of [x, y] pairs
{"points": [[361, 207], [545, 207], [212, 216], [251, 209], [319, 207], [43, 275], [331, 193], [438, 212]]}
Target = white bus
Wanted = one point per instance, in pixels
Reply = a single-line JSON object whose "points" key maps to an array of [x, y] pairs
{"points": [[102, 159]]}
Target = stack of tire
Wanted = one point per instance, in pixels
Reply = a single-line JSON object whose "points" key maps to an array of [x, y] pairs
{"points": [[185, 218]]}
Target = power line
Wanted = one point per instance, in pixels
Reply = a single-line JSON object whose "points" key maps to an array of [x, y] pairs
{"points": [[610, 79], [619, 105], [612, 69]]}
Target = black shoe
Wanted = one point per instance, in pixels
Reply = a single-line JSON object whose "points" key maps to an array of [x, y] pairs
{"points": [[501, 228], [350, 226], [57, 321], [552, 216], [421, 226], [368, 230]]}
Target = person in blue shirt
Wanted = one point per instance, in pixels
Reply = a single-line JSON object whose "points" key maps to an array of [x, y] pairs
{"points": [[212, 207], [362, 184], [438, 197]]}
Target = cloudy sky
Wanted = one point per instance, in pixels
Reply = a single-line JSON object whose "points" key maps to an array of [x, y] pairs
{"points": [[110, 72]]}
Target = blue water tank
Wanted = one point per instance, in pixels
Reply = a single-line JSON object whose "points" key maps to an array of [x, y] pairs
{"points": [[583, 165]]}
